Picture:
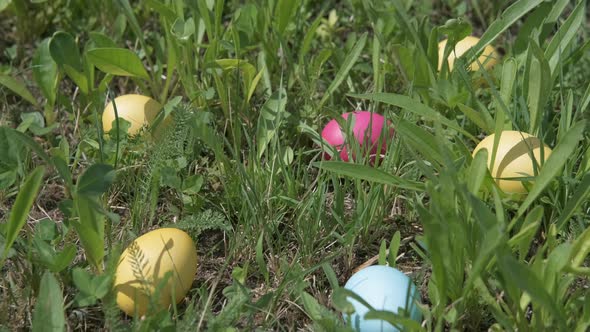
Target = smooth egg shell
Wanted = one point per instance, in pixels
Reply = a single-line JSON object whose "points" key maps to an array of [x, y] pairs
{"points": [[384, 288], [162, 250], [513, 158], [137, 109], [365, 124], [489, 56]]}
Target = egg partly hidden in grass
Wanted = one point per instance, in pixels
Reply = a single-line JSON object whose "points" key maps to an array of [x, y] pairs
{"points": [[137, 109], [366, 132], [153, 255], [513, 158], [488, 58], [384, 288]]}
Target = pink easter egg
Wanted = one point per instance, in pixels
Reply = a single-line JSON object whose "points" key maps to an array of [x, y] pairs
{"points": [[366, 130]]}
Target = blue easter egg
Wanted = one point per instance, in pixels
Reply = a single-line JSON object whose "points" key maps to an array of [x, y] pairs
{"points": [[384, 288]]}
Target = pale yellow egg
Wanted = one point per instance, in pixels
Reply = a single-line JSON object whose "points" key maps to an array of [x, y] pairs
{"points": [[513, 158], [153, 255], [488, 58], [137, 109]]}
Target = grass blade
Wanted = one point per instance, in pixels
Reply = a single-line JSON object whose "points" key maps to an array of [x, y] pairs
{"points": [[22, 205], [368, 173], [477, 171], [539, 83], [553, 164], [330, 275], [49, 310], [403, 19], [17, 87], [524, 237], [45, 72], [162, 9], [493, 238], [394, 246], [527, 281], [580, 196], [309, 37], [64, 50], [405, 324], [117, 61], [421, 140], [413, 106], [585, 100], [482, 119], [269, 121], [345, 68], [311, 305], [564, 36], [382, 259], [285, 11], [580, 250], [90, 227], [28, 141], [509, 71], [96, 180], [134, 24], [508, 17], [531, 26], [260, 258]]}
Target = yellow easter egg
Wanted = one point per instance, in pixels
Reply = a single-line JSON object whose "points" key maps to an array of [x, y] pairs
{"points": [[137, 109], [513, 158], [144, 264], [488, 58]]}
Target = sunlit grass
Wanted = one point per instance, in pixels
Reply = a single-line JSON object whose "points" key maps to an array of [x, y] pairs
{"points": [[278, 229]]}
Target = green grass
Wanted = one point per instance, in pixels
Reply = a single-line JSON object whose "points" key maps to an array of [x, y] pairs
{"points": [[279, 231]]}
